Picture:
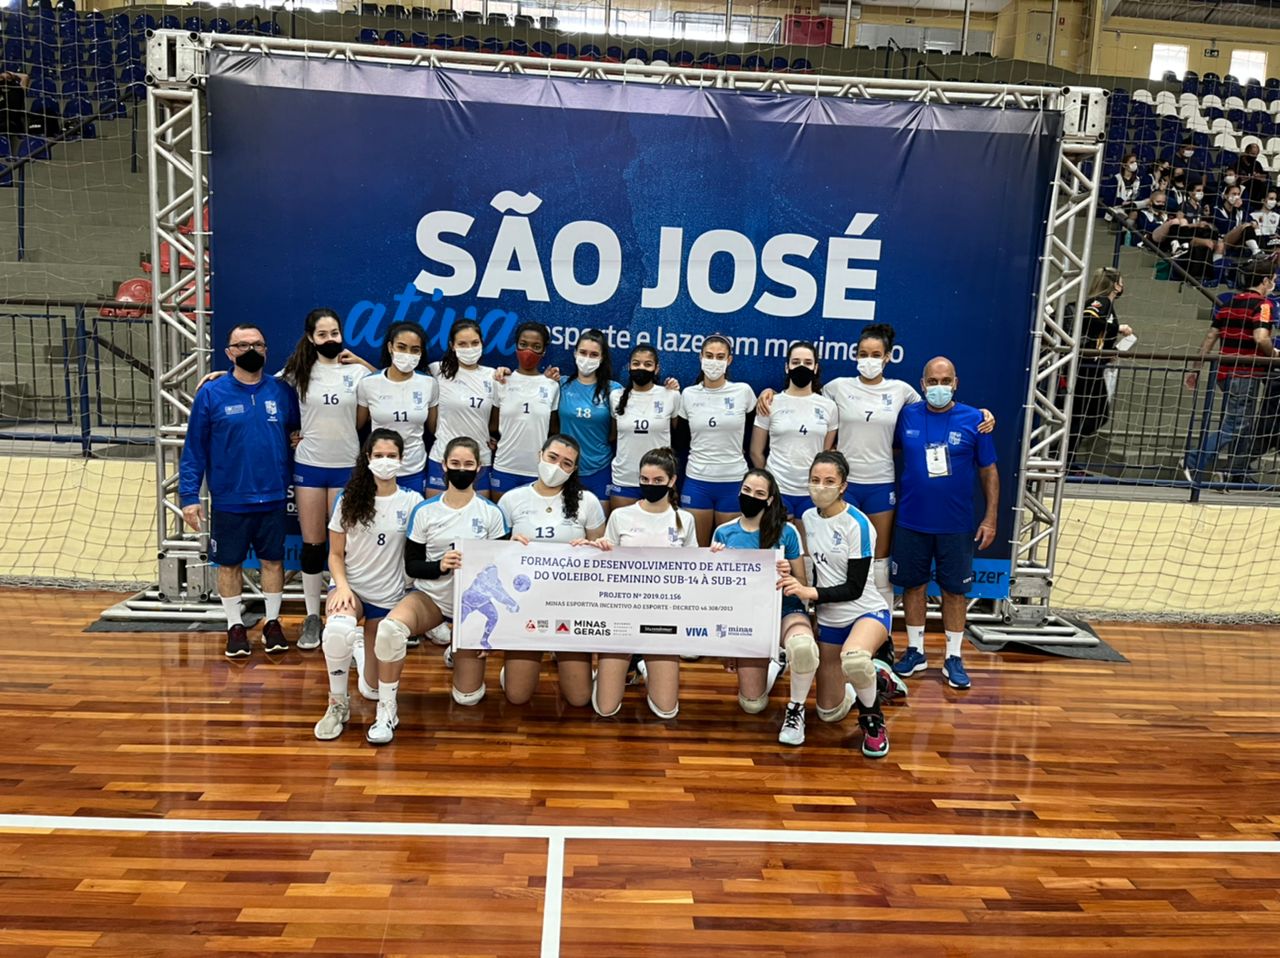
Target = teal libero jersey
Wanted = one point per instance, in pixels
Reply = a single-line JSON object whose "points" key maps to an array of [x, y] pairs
{"points": [[588, 422]]}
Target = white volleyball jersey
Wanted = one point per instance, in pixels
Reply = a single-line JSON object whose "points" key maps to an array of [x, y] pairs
{"points": [[374, 555], [868, 415], [329, 438], [542, 519], [526, 404], [797, 428], [632, 526], [463, 407], [440, 528], [832, 543], [403, 407], [717, 426], [645, 425]]}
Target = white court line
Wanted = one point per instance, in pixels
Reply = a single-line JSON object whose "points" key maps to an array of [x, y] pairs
{"points": [[551, 901], [638, 833]]}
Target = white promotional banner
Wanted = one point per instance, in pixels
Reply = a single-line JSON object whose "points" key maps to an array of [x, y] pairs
{"points": [[557, 597]]}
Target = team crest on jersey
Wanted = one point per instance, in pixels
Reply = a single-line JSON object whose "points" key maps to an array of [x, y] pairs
{"points": [[418, 399], [820, 414], [270, 405], [673, 535], [543, 393], [728, 402], [887, 400], [477, 526], [348, 381], [837, 539], [402, 518], [657, 408], [954, 438]]}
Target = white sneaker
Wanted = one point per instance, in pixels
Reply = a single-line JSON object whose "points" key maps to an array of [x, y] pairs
{"points": [[334, 721], [441, 635], [792, 732], [383, 729], [448, 658], [367, 691]]}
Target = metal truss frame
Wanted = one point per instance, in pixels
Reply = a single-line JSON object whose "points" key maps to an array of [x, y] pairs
{"points": [[177, 70]]}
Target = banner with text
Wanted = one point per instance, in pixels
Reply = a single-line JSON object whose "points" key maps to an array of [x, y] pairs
{"points": [[660, 601]]}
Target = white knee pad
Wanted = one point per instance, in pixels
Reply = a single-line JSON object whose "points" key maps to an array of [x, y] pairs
{"points": [[469, 698], [802, 652], [753, 706], [392, 640], [838, 713], [661, 714], [339, 636], [858, 668], [595, 704]]}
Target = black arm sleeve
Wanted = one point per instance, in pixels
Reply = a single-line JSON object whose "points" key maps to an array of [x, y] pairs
{"points": [[416, 563], [855, 581]]}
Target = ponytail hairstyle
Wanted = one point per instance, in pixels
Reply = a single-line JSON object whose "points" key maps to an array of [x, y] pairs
{"points": [[405, 327], [723, 341], [816, 385], [604, 375], [449, 361], [774, 518], [626, 391], [832, 457], [298, 369], [665, 459], [571, 491], [881, 331], [358, 506], [464, 442]]}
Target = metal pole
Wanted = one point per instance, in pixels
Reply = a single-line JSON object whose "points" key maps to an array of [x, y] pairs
{"points": [[22, 212], [608, 17], [728, 21], [133, 139], [964, 30], [82, 378], [1053, 34], [848, 19]]}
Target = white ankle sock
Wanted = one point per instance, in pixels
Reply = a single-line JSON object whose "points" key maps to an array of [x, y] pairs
{"points": [[231, 605], [915, 637], [954, 641], [867, 696], [387, 693], [274, 601], [312, 583]]}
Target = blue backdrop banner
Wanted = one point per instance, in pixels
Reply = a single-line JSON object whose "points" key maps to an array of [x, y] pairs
{"points": [[654, 213]]}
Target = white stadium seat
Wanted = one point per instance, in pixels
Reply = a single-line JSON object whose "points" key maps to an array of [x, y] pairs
{"points": [[1256, 106], [1246, 140], [1143, 96], [1164, 96], [1226, 141], [1211, 100], [1221, 125], [1273, 146]]}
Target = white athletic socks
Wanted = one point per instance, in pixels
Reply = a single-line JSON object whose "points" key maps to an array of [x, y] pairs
{"points": [[274, 601], [915, 637], [387, 694], [954, 642], [312, 584], [867, 695], [231, 606], [801, 683], [339, 675]]}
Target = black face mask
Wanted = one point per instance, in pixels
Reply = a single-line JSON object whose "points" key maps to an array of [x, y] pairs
{"points": [[800, 376], [655, 493], [330, 349], [251, 361], [750, 506], [641, 377], [461, 478]]}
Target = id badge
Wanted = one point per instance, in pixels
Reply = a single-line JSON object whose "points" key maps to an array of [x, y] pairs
{"points": [[937, 460]]}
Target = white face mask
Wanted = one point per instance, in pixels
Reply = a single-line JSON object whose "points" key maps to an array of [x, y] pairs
{"points": [[1198, 196], [384, 468], [1271, 204], [1188, 153], [713, 369], [870, 367], [587, 364], [405, 362], [469, 355], [551, 474], [1132, 167], [1229, 180], [823, 496]]}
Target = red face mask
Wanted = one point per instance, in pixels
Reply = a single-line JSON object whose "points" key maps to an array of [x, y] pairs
{"points": [[528, 359]]}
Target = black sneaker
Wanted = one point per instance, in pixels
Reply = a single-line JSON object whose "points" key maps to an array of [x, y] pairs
{"points": [[273, 639], [414, 641], [238, 646], [875, 738]]}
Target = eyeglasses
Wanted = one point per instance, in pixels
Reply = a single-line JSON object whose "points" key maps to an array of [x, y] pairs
{"points": [[259, 347]]}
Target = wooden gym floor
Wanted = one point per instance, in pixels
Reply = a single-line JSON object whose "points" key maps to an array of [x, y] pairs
{"points": [[156, 799]]}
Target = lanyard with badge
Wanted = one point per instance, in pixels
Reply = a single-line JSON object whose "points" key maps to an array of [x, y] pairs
{"points": [[937, 459]]}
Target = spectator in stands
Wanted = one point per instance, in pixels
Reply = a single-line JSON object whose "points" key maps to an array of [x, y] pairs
{"points": [[1264, 235], [1127, 193], [1242, 323], [238, 439], [13, 103], [1100, 329], [1253, 177], [1228, 217], [1175, 234], [1226, 178], [1157, 177]]}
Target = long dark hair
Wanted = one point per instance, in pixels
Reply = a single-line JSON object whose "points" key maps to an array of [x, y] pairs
{"points": [[881, 331], [715, 338], [298, 369], [358, 505], [384, 361], [665, 459], [604, 374], [832, 457], [571, 491], [816, 385], [626, 391], [774, 518], [449, 361]]}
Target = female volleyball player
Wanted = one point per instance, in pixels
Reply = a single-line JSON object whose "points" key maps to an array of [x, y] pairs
{"points": [[524, 412], [331, 417], [716, 410], [763, 525], [556, 508], [465, 403], [643, 412], [430, 557], [366, 561], [656, 521], [400, 397], [853, 619], [584, 411]]}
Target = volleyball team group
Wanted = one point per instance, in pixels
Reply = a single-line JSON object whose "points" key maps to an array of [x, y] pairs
{"points": [[456, 450]]}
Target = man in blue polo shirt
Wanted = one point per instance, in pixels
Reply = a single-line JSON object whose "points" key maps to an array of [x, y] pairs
{"points": [[942, 453], [238, 437]]}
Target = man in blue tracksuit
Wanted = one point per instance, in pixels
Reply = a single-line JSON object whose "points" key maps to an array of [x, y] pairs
{"points": [[238, 439]]}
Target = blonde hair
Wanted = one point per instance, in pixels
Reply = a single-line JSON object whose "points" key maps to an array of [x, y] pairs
{"points": [[1103, 282]]}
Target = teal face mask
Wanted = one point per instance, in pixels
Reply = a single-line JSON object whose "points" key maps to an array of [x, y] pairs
{"points": [[938, 396]]}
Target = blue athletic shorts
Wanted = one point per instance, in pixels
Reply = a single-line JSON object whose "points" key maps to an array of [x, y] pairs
{"points": [[371, 611], [872, 497], [232, 533], [415, 483], [506, 481], [916, 553], [320, 477], [625, 492], [790, 605], [597, 482], [797, 506], [720, 496], [435, 477], [836, 634]]}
